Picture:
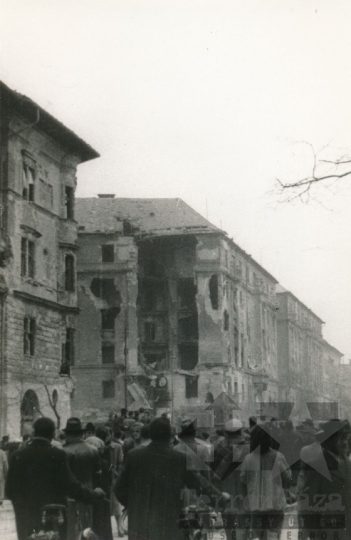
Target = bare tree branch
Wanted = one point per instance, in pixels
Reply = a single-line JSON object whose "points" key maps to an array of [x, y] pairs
{"points": [[302, 188]]}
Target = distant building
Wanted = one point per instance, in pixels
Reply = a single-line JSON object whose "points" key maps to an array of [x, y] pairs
{"points": [[38, 250], [309, 367], [173, 312]]}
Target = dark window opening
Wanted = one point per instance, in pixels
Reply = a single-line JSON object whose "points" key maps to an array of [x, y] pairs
{"points": [[213, 287], [149, 332], [188, 354], [28, 183], [106, 290], [225, 321], [127, 228], [242, 348], [108, 253], [157, 359], [191, 387], [108, 389], [27, 258], [69, 202], [108, 354], [235, 388], [54, 397], [188, 328], [187, 294], [23, 257], [108, 317], [69, 346], [29, 328], [153, 296], [153, 268], [69, 273]]}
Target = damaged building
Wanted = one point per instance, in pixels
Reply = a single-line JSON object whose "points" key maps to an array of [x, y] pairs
{"points": [[173, 312], [38, 251]]}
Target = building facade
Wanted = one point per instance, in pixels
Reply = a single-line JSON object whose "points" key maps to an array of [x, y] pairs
{"points": [[38, 252], [173, 312]]}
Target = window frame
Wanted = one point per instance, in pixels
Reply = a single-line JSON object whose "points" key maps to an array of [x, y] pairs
{"points": [[29, 336]]}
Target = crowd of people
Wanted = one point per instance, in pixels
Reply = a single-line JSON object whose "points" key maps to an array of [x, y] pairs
{"points": [[145, 468]]}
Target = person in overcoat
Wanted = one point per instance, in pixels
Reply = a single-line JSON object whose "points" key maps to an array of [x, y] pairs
{"points": [[324, 484], [84, 462], [38, 475], [150, 486]]}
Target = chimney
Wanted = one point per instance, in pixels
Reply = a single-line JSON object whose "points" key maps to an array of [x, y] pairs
{"points": [[106, 195]]}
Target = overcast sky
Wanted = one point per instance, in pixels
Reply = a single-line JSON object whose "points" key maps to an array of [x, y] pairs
{"points": [[207, 101]]}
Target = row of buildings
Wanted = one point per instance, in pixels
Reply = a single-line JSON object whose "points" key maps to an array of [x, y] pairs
{"points": [[108, 302]]}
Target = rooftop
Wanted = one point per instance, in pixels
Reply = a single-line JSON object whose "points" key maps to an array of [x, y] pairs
{"points": [[157, 217], [35, 114]]}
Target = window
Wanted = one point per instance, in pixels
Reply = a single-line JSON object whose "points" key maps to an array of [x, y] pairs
{"points": [[69, 202], [213, 287], [69, 346], [187, 294], [29, 336], [108, 389], [28, 183], [108, 319], [27, 258], [226, 321], [191, 387], [149, 332], [108, 253], [69, 273], [235, 388], [108, 354], [188, 354]]}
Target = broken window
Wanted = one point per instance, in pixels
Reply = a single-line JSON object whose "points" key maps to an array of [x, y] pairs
{"points": [[108, 253], [108, 354], [188, 327], [225, 320], [108, 389], [187, 294], [188, 354], [108, 318], [191, 387], [153, 296], [106, 290], [28, 183], [153, 268], [27, 258], [69, 273], [213, 287], [156, 359], [69, 202], [29, 327]]}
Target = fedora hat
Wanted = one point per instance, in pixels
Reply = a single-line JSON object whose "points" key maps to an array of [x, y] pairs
{"points": [[74, 425], [188, 427]]}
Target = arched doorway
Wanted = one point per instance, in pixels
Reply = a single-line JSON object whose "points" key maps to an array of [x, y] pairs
{"points": [[30, 411]]}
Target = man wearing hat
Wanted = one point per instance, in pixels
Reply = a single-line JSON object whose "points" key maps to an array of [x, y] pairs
{"points": [[84, 462], [229, 455], [38, 475]]}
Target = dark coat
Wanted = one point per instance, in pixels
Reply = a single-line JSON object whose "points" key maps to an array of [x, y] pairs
{"points": [[84, 462], [326, 496], [38, 475], [150, 486]]}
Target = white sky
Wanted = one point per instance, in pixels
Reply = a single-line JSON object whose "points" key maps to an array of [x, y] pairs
{"points": [[206, 99]]}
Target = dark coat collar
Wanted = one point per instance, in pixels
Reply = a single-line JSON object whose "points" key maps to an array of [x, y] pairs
{"points": [[40, 441]]}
